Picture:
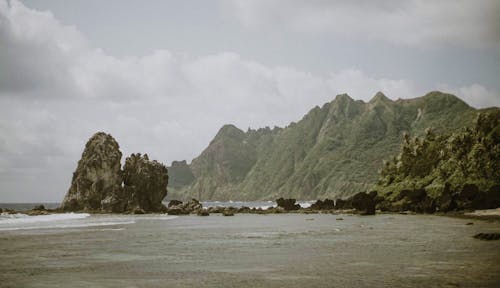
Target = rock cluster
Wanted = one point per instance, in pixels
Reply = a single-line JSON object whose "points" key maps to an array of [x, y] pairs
{"points": [[287, 204], [469, 197], [100, 185], [192, 206]]}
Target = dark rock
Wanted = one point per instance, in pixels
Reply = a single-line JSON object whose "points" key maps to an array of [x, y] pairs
{"points": [[138, 210], [244, 209], [339, 219], [487, 236], [426, 205], [1, 210], [176, 210], [468, 197], [192, 206], [492, 197], [287, 204], [227, 212], [97, 176], [446, 201], [469, 223], [174, 203], [327, 204], [363, 203], [39, 208], [145, 183], [202, 212], [341, 204], [217, 209]]}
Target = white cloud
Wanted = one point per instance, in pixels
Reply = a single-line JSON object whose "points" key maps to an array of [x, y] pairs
{"points": [[56, 91], [416, 23], [475, 94]]}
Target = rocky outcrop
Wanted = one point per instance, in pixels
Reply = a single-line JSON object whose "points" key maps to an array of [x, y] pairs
{"points": [[145, 183], [468, 198], [287, 204], [97, 182], [364, 203], [487, 236], [176, 207], [97, 177], [327, 204]]}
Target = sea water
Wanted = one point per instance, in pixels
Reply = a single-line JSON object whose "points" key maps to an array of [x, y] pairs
{"points": [[246, 250]]}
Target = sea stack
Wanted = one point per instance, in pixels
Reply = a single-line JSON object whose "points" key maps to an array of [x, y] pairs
{"points": [[100, 185], [98, 176], [145, 183]]}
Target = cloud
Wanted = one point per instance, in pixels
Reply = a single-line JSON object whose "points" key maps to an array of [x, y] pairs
{"points": [[474, 94], [421, 23], [56, 91]]}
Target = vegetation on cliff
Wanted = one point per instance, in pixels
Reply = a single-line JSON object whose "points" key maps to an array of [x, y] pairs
{"points": [[334, 151], [458, 170]]}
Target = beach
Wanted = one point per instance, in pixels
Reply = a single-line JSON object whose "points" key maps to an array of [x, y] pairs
{"points": [[282, 250]]}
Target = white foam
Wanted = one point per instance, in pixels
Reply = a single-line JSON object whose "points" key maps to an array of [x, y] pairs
{"points": [[305, 204], [23, 218], [65, 226]]}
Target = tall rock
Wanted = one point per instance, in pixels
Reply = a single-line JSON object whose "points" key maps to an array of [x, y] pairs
{"points": [[145, 183], [98, 178]]}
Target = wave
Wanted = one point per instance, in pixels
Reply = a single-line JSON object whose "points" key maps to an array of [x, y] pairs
{"points": [[65, 226], [23, 218]]}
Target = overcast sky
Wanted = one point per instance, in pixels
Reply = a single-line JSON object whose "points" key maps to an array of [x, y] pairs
{"points": [[163, 76]]}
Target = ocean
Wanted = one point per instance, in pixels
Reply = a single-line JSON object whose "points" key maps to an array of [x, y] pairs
{"points": [[246, 250]]}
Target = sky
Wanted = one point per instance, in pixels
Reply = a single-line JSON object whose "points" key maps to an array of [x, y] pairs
{"points": [[162, 77]]}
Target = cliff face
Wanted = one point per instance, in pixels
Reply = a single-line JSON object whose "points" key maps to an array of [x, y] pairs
{"points": [[459, 170], [145, 183], [334, 151], [97, 182], [98, 175]]}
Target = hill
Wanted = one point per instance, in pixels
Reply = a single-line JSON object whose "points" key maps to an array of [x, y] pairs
{"points": [[334, 151]]}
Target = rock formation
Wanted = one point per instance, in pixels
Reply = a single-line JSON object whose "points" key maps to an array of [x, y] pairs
{"points": [[97, 177], [287, 204], [192, 206], [97, 182], [145, 183]]}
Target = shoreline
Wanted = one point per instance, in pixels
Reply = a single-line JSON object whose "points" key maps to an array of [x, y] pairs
{"points": [[490, 215]]}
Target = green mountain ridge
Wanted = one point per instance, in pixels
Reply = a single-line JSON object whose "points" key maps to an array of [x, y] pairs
{"points": [[334, 151]]}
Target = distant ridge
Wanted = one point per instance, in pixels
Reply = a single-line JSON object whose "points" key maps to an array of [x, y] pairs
{"points": [[334, 151]]}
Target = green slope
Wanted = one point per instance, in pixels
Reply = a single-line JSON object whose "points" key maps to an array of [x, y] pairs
{"points": [[334, 151]]}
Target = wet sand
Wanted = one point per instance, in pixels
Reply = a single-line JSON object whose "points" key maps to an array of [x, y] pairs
{"points": [[283, 250]]}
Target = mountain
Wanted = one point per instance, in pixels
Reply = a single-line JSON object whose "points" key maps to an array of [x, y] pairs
{"points": [[334, 151]]}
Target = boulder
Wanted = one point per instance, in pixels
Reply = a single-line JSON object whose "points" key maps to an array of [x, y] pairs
{"points": [[341, 204], [145, 183], [327, 204], [97, 176], [39, 208], [202, 212], [174, 203], [492, 197], [287, 204], [363, 203], [487, 236], [446, 201], [176, 210], [138, 210], [193, 206], [469, 197], [227, 212]]}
